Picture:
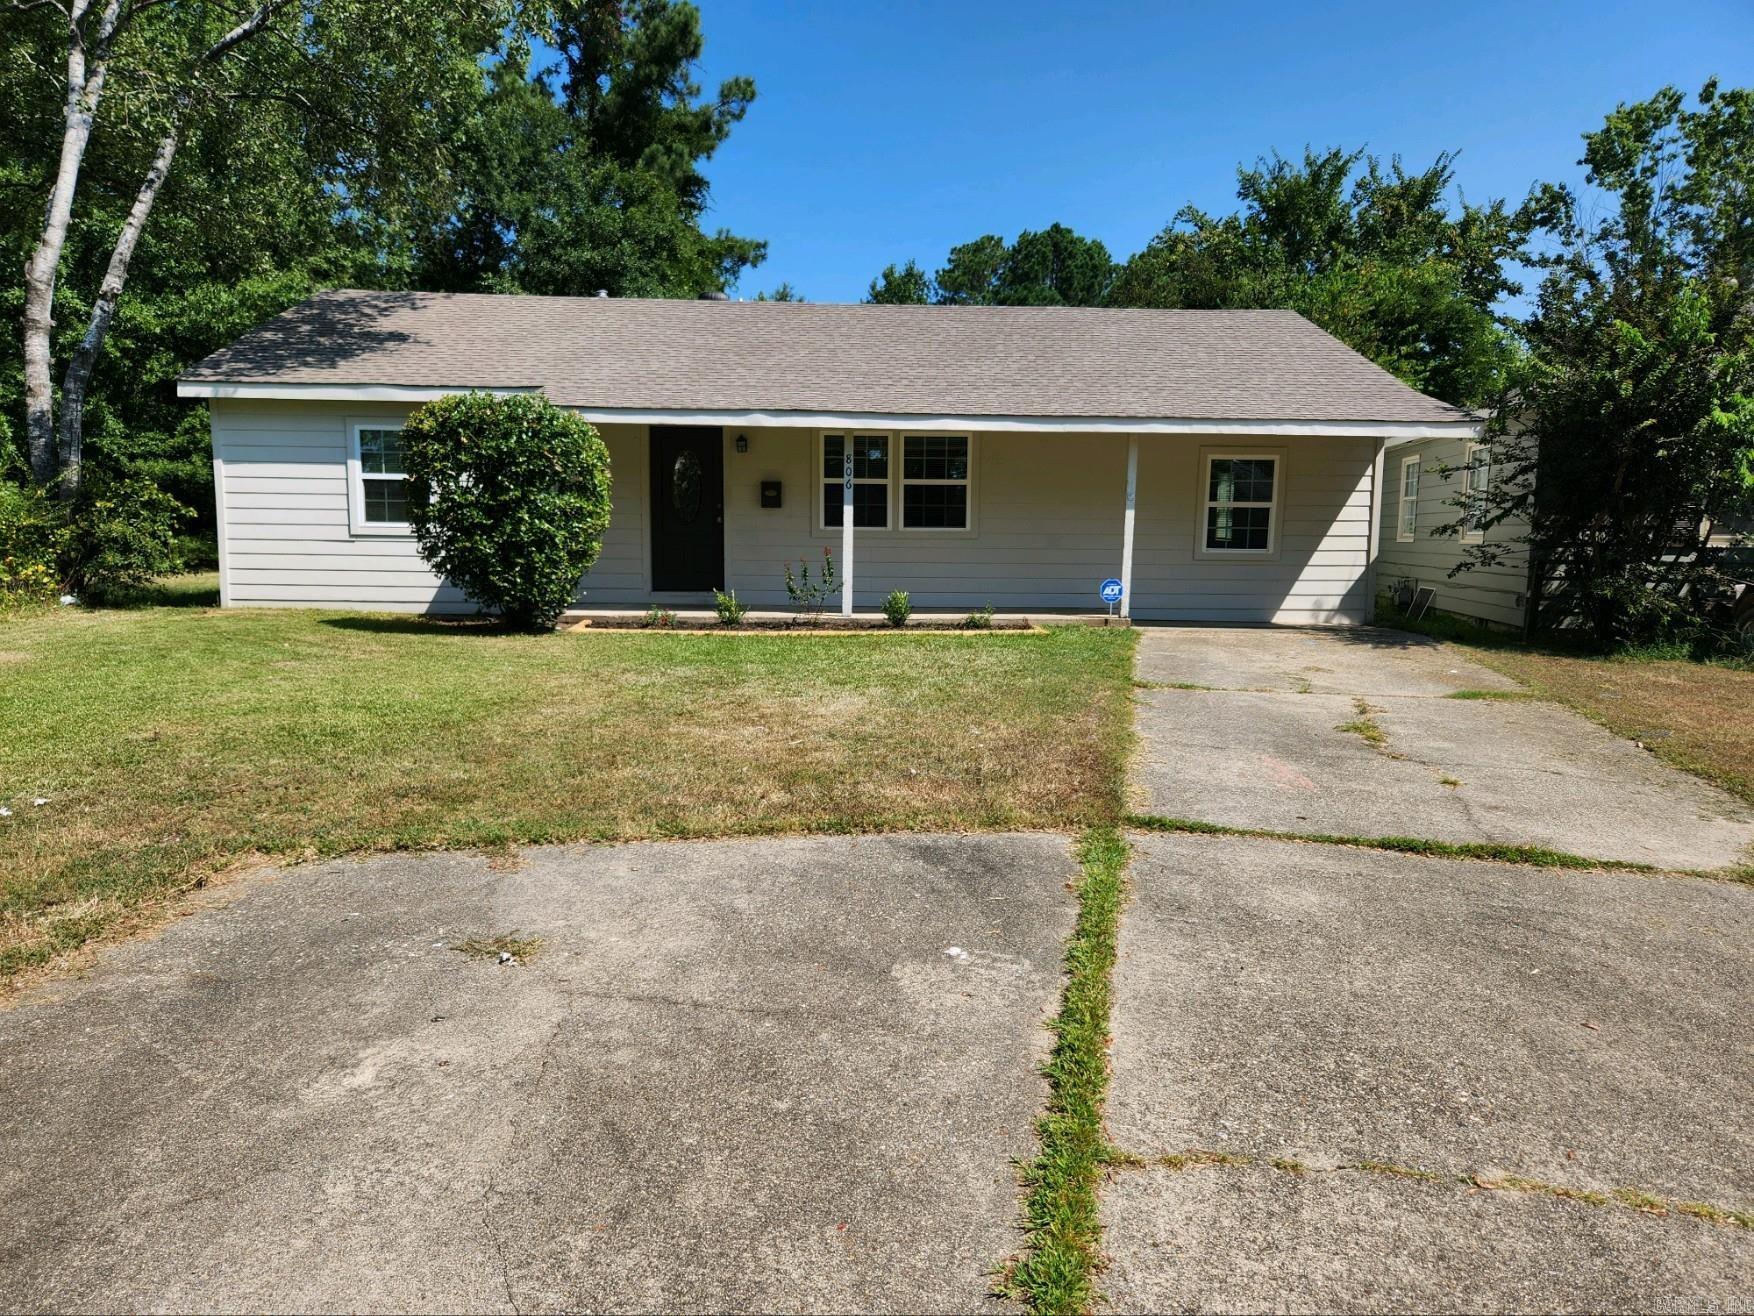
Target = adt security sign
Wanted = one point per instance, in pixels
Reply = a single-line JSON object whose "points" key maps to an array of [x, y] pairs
{"points": [[1111, 592]]}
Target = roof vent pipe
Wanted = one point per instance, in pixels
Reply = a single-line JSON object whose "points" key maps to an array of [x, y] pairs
{"points": [[602, 292], [715, 297]]}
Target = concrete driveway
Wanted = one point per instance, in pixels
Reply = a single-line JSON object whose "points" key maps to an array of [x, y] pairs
{"points": [[787, 1075], [1407, 1039], [1244, 728], [1361, 1080]]}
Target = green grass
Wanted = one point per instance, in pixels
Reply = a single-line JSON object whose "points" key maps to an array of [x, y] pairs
{"points": [[1057, 1273], [1507, 696], [1535, 855], [174, 742], [1365, 726]]}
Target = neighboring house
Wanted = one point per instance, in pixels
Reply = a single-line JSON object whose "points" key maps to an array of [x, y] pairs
{"points": [[1424, 484], [1226, 464]]}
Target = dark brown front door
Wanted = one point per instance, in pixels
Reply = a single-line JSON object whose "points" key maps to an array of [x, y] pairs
{"points": [[688, 507]]}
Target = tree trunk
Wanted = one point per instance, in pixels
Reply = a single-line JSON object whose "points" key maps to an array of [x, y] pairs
{"points": [[103, 310], [84, 87]]}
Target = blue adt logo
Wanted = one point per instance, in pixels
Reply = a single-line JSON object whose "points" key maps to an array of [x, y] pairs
{"points": [[1111, 590]]}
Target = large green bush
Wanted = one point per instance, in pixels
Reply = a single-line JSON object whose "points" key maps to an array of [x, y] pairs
{"points": [[509, 499], [32, 530], [107, 547], [124, 534]]}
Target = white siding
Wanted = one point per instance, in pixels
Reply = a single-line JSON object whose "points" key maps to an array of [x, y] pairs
{"points": [[1047, 530], [281, 480], [1047, 513], [1492, 594]]}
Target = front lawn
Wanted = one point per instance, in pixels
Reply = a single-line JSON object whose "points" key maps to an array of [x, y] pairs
{"points": [[173, 742]]}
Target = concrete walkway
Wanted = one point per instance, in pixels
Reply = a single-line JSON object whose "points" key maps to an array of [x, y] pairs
{"points": [[787, 1075], [1244, 728], [1336, 1065]]}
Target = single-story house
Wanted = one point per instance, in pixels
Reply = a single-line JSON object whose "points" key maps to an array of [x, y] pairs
{"points": [[1227, 466]]}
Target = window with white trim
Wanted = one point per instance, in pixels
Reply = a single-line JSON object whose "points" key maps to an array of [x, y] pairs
{"points": [[870, 480], [378, 478], [1476, 481], [1241, 500], [934, 482], [1408, 524]]}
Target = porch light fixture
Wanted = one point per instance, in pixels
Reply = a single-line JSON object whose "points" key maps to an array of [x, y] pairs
{"points": [[742, 443]]}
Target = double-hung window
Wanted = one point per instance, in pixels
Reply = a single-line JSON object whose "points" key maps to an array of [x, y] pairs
{"points": [[1408, 525], [934, 482], [900, 481], [377, 478], [1476, 481], [1241, 499], [870, 480]]}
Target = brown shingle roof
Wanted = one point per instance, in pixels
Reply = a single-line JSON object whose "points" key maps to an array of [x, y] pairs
{"points": [[615, 353]]}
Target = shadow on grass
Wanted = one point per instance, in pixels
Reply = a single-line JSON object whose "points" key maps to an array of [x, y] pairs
{"points": [[199, 589], [430, 626]]}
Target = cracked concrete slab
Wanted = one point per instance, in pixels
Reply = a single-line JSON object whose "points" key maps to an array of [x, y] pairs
{"points": [[1523, 772], [741, 1075], [1335, 1005], [1257, 1239], [1359, 660]]}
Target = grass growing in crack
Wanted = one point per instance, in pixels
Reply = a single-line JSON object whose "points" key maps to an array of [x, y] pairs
{"points": [[1501, 695], [1057, 1271], [1535, 855], [1364, 726], [522, 949], [1635, 1199]]}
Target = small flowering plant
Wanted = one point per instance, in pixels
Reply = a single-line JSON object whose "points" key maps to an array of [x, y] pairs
{"points": [[807, 593]]}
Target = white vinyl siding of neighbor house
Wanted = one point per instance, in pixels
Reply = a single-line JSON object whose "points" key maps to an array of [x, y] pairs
{"points": [[1493, 594], [1045, 524]]}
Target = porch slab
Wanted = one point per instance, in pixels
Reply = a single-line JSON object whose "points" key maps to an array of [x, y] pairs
{"points": [[704, 619]]}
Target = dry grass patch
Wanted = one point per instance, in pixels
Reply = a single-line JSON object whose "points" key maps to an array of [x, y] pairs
{"points": [[1693, 715], [169, 741]]}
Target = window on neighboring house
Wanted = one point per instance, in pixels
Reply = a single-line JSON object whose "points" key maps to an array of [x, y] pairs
{"points": [[1476, 480], [870, 480], [1241, 495], [1409, 522], [380, 479], [934, 483]]}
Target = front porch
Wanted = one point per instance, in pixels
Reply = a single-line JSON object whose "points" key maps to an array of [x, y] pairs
{"points": [[1211, 526]]}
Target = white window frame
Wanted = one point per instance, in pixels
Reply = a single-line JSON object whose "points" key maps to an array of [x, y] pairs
{"points": [[1407, 504], [1473, 534], [1203, 503], [897, 440], [356, 479], [967, 484], [820, 480]]}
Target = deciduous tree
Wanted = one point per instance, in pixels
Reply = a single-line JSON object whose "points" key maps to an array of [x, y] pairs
{"points": [[1626, 436]]}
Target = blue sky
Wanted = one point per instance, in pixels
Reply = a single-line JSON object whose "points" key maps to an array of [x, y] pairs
{"points": [[890, 130]]}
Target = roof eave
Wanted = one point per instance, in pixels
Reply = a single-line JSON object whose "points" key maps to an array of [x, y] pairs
{"points": [[1394, 431]]}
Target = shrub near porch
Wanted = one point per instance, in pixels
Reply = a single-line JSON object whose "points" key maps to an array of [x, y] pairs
{"points": [[171, 743]]}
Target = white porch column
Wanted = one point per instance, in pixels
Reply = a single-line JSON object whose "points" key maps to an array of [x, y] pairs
{"points": [[1127, 525], [1376, 506], [846, 527]]}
